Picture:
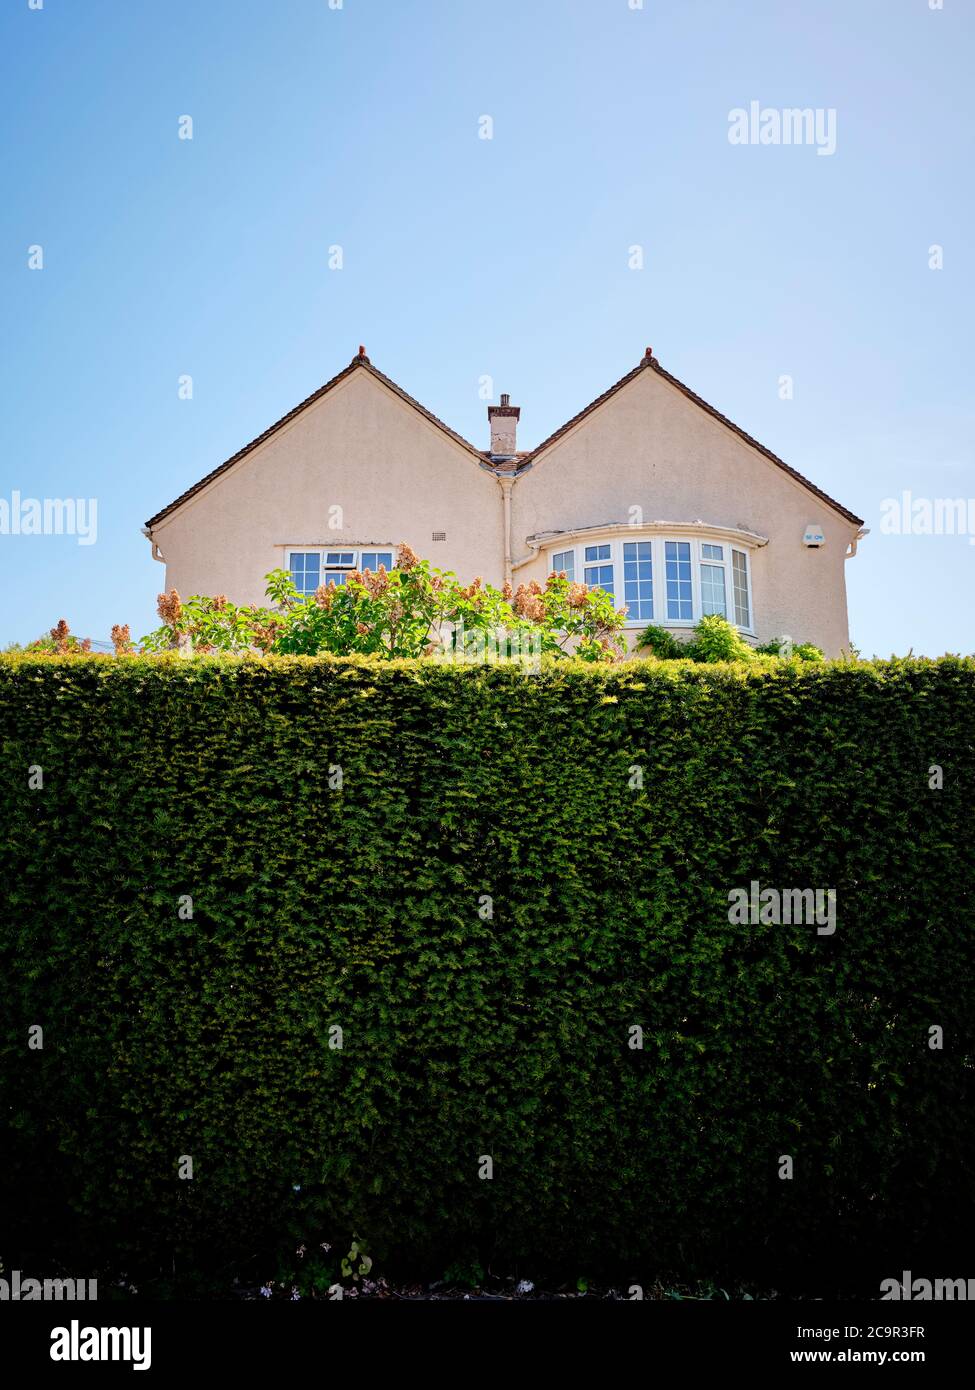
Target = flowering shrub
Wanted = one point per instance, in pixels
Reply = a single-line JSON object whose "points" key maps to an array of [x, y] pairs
{"points": [[410, 611], [60, 642]]}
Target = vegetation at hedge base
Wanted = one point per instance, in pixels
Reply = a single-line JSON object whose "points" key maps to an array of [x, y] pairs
{"points": [[715, 639], [340, 929]]}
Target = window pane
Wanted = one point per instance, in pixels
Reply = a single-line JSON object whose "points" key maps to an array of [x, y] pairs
{"points": [[679, 601], [596, 552], [600, 576], [372, 559], [638, 579], [304, 570], [739, 574], [334, 577], [565, 560], [340, 557], [712, 552], [712, 590]]}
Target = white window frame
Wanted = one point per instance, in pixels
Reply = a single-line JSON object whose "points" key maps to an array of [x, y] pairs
{"points": [[749, 596], [601, 563], [725, 566], [356, 551], [557, 555], [658, 553]]}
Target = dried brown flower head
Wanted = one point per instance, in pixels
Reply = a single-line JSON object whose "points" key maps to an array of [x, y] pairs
{"points": [[266, 633], [170, 608], [527, 604]]}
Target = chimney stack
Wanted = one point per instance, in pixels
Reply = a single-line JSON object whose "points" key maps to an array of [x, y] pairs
{"points": [[504, 419]]}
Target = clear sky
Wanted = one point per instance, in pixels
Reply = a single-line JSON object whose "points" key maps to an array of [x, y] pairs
{"points": [[465, 257]]}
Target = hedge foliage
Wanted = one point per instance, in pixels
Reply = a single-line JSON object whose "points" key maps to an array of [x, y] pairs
{"points": [[465, 1032]]}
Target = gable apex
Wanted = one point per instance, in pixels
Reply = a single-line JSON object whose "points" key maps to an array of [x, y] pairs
{"points": [[360, 362], [649, 363]]}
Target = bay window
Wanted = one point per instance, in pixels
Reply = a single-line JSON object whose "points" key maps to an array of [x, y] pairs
{"points": [[694, 578]]}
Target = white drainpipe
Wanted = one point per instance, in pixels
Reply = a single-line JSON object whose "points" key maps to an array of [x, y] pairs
{"points": [[863, 531], [506, 482], [156, 552]]}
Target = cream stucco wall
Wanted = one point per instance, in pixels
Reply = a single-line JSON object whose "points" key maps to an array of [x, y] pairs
{"points": [[396, 476], [649, 446]]}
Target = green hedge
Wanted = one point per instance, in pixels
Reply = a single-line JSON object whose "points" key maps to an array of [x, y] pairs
{"points": [[466, 1034]]}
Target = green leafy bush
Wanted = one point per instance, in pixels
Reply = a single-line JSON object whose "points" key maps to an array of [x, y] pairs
{"points": [[661, 643], [796, 651], [486, 879], [715, 639]]}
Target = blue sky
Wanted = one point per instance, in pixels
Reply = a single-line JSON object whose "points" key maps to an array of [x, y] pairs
{"points": [[465, 257]]}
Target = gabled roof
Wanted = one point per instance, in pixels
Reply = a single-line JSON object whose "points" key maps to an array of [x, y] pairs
{"points": [[359, 362], [523, 459], [650, 363]]}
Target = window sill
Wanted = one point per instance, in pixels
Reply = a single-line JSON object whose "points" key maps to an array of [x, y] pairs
{"points": [[678, 625]]}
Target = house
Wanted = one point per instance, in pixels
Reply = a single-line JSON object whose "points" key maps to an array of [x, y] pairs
{"points": [[648, 492]]}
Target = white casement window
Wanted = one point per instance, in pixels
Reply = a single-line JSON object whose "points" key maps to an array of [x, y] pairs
{"points": [[306, 569], [310, 568], [638, 579], [680, 589], [739, 573], [672, 581], [564, 562], [599, 567], [714, 590]]}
